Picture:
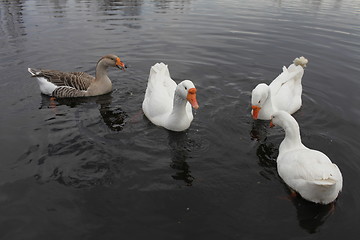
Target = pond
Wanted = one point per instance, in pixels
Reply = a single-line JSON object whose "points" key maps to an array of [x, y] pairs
{"points": [[97, 168]]}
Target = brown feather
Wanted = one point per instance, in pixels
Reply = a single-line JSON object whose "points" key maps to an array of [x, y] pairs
{"points": [[66, 92], [77, 80]]}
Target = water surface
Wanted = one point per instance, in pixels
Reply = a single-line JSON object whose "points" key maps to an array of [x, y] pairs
{"points": [[96, 168]]}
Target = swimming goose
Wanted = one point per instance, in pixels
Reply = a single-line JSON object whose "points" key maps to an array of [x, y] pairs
{"points": [[167, 104], [284, 93], [308, 172], [77, 84]]}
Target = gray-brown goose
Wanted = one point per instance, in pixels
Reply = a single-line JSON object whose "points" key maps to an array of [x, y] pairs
{"points": [[77, 84]]}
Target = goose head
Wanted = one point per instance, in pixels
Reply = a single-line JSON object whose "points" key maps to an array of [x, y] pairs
{"points": [[186, 90], [280, 118], [258, 98], [112, 60]]}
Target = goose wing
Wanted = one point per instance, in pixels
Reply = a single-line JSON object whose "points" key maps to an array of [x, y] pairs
{"points": [[159, 92], [77, 80], [310, 166]]}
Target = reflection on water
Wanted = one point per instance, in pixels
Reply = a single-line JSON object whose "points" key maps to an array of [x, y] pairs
{"points": [[266, 151], [180, 147], [12, 23], [113, 117], [129, 10], [12, 31], [259, 130], [115, 11], [59, 7], [163, 5], [267, 154], [69, 172], [311, 215], [227, 47], [74, 170]]}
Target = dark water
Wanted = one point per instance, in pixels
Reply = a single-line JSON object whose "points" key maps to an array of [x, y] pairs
{"points": [[96, 168]]}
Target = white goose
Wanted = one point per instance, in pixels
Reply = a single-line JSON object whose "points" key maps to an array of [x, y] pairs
{"points": [[284, 93], [167, 104], [308, 172], [77, 84]]}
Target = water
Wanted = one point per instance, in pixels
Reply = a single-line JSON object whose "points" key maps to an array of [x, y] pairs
{"points": [[96, 168]]}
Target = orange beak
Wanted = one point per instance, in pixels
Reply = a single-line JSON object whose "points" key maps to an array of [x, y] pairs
{"points": [[256, 111], [191, 97], [120, 64], [272, 124]]}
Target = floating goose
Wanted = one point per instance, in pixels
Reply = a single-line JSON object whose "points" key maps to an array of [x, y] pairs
{"points": [[167, 104], [77, 84], [308, 172], [284, 93]]}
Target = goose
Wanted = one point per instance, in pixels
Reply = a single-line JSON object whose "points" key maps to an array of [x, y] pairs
{"points": [[283, 93], [308, 172], [77, 84], [166, 103]]}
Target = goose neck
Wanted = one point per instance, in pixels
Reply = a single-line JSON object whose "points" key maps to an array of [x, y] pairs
{"points": [[101, 70], [179, 104], [292, 134], [269, 102]]}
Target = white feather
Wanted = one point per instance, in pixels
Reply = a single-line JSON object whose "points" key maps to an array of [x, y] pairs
{"points": [[163, 104], [309, 172], [46, 87], [283, 93]]}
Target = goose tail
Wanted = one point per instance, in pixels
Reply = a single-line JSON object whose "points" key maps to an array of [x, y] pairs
{"points": [[159, 73], [33, 71], [160, 68], [325, 182], [302, 61], [46, 87]]}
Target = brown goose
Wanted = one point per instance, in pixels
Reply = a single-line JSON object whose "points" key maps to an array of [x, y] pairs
{"points": [[77, 84]]}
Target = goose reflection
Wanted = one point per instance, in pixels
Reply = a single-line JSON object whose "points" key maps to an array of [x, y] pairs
{"points": [[179, 148], [259, 130], [267, 153], [76, 155], [113, 117], [309, 215]]}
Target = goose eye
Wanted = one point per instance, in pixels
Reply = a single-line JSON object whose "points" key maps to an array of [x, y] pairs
{"points": [[185, 88], [259, 101]]}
